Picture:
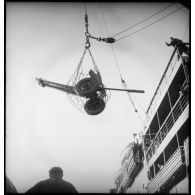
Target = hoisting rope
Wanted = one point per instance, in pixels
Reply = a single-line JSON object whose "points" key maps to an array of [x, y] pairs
{"points": [[123, 83], [122, 80], [76, 72], [116, 62], [182, 9], [132, 102], [81, 61], [95, 66], [79, 73], [187, 27], [149, 24], [87, 43], [143, 20], [88, 35]]}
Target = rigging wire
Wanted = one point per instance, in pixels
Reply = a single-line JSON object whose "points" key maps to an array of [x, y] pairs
{"points": [[101, 9], [132, 102], [122, 80], [128, 93], [113, 51], [144, 112], [185, 30], [116, 61], [183, 9], [85, 5], [144, 20], [139, 104], [149, 24], [130, 144]]}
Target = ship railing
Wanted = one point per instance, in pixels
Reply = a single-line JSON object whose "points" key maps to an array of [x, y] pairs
{"points": [[171, 118], [165, 77], [123, 173], [175, 162], [131, 165], [186, 149], [127, 169]]}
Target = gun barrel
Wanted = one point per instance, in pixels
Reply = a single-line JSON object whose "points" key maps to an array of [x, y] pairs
{"points": [[65, 88], [127, 90]]}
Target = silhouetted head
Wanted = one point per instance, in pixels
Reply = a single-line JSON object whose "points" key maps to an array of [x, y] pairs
{"points": [[172, 38], [56, 173]]}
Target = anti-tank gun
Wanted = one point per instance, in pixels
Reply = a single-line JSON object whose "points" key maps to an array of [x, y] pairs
{"points": [[86, 90], [90, 88]]}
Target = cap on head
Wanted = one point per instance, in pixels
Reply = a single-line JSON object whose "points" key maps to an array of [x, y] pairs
{"points": [[56, 171]]}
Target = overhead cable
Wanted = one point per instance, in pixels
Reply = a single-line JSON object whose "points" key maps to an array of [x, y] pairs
{"points": [[178, 5], [130, 98], [187, 27], [85, 4], [140, 105], [144, 20], [149, 24], [111, 45], [104, 19], [122, 80]]}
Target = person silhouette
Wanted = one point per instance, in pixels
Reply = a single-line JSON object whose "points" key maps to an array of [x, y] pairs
{"points": [[180, 45], [55, 184]]}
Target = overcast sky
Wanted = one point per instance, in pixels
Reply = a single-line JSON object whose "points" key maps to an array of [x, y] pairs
{"points": [[43, 128]]}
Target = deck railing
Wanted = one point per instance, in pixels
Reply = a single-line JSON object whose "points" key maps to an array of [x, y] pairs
{"points": [[175, 162], [166, 75], [172, 117]]}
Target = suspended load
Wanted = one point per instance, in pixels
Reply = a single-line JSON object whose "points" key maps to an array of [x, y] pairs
{"points": [[85, 89], [89, 88]]}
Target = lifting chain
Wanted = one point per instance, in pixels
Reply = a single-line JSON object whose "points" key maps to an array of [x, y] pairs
{"points": [[87, 43], [88, 35]]}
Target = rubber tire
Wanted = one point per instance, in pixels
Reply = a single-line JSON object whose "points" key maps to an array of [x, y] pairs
{"points": [[94, 106], [86, 87]]}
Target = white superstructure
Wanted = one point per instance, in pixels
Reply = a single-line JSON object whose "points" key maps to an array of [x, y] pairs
{"points": [[163, 159]]}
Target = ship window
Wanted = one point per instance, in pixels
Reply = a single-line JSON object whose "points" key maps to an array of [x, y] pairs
{"points": [[151, 172], [159, 163], [171, 148], [154, 127], [141, 154], [147, 142], [183, 133], [149, 155], [164, 109], [148, 132], [147, 139], [176, 84], [130, 162]]}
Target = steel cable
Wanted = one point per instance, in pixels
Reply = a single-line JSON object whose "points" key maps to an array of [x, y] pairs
{"points": [[149, 24], [144, 20]]}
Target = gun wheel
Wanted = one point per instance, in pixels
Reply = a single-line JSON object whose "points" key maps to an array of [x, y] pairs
{"points": [[94, 106], [86, 87]]}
